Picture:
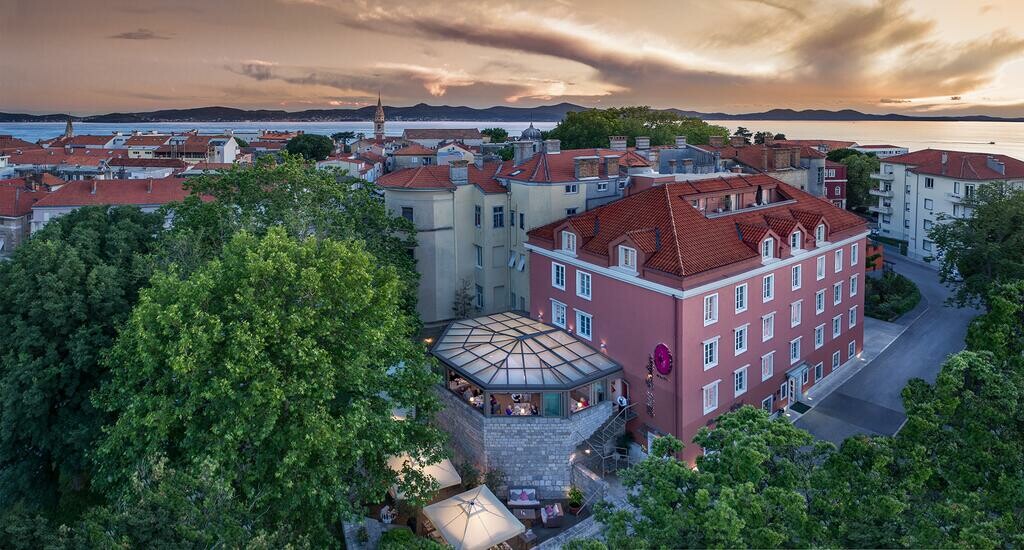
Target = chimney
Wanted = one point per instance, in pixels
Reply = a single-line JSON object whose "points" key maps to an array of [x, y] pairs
{"points": [[995, 165], [769, 141], [680, 142], [522, 151], [716, 141], [687, 166], [764, 159], [611, 165], [737, 141], [552, 146], [672, 166], [652, 156], [478, 160], [149, 185], [945, 160], [17, 198], [617, 143], [587, 167], [458, 171], [92, 191], [643, 142], [736, 170]]}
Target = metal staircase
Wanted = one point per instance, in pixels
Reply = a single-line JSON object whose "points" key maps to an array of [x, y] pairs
{"points": [[600, 452]]}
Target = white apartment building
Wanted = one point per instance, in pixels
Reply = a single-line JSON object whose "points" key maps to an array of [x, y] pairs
{"points": [[915, 189], [882, 151]]}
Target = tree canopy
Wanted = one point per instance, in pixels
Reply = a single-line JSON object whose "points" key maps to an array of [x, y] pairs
{"points": [[859, 168], [587, 129], [63, 296], [311, 147], [984, 248], [272, 362], [497, 135]]}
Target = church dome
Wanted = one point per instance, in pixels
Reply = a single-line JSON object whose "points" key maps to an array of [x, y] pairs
{"points": [[530, 134]]}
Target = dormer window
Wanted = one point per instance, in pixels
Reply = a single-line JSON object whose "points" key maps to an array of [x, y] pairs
{"points": [[795, 240], [627, 258], [819, 233], [569, 242], [768, 249]]}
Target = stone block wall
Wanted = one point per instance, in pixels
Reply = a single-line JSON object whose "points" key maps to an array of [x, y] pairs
{"points": [[465, 428]]}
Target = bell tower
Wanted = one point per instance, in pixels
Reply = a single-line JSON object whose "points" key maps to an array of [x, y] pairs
{"points": [[69, 130], [378, 120]]}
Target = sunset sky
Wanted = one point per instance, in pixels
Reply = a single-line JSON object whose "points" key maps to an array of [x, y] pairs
{"points": [[926, 56]]}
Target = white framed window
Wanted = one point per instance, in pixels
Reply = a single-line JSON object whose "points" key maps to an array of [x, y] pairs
{"points": [[796, 313], [837, 293], [926, 245], [821, 267], [479, 296], [572, 188], [627, 258], [819, 371], [819, 336], [796, 240], [768, 249], [853, 286], [740, 339], [837, 326], [835, 360], [602, 186], [558, 313], [929, 183], [710, 353], [767, 327], [479, 253], [839, 260], [819, 302], [854, 252], [784, 390], [584, 324], [819, 233], [569, 242], [767, 365], [794, 350], [740, 293], [739, 381], [710, 309], [768, 288], [558, 276], [583, 282], [710, 394], [768, 403], [929, 204], [796, 276], [853, 317], [851, 350]]}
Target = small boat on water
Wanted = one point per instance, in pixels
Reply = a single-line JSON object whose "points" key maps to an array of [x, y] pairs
{"points": [[991, 143]]}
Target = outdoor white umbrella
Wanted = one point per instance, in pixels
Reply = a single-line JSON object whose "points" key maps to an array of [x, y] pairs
{"points": [[444, 472], [473, 520]]}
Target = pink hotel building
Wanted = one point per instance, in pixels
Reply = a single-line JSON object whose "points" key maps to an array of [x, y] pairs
{"points": [[710, 293]]}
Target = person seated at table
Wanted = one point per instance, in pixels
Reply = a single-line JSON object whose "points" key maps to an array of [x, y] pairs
{"points": [[468, 394], [495, 407], [508, 410], [533, 410]]}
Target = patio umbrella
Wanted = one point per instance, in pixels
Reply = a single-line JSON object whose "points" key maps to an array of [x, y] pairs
{"points": [[473, 520], [444, 472]]}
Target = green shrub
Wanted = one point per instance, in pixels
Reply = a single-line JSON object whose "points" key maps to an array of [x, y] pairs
{"points": [[890, 296], [585, 544], [404, 539]]}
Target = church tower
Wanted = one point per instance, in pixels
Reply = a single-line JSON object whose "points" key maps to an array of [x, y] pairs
{"points": [[378, 120], [69, 131]]}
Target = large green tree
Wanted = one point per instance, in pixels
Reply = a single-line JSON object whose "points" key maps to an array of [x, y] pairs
{"points": [[310, 146], [586, 129], [63, 296], [275, 364], [985, 248], [858, 179], [300, 199], [497, 135]]}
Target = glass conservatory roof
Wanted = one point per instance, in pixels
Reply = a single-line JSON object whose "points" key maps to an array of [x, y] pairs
{"points": [[508, 351]]}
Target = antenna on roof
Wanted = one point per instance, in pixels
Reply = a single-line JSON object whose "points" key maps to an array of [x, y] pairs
{"points": [[657, 238]]}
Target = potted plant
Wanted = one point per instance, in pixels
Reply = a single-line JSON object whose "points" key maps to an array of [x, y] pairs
{"points": [[575, 500]]}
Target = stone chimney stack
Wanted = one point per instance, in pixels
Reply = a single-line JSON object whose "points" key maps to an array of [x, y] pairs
{"points": [[995, 165], [458, 171], [587, 167], [737, 141], [945, 161], [716, 141], [680, 142], [643, 142], [552, 146], [617, 143], [671, 166], [611, 165], [522, 151], [687, 166]]}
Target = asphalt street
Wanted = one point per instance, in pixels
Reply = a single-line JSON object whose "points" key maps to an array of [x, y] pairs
{"points": [[870, 401]]}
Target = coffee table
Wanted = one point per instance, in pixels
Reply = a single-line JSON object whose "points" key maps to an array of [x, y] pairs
{"points": [[525, 515]]}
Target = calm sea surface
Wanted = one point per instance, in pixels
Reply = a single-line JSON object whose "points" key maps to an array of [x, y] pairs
{"points": [[1008, 137]]}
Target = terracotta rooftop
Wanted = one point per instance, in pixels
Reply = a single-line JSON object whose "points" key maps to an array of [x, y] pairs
{"points": [[831, 144], [116, 192], [17, 201], [84, 140], [879, 147], [146, 141], [438, 177], [414, 150], [442, 133], [9, 144], [690, 242], [959, 164], [147, 163], [560, 167], [47, 157]]}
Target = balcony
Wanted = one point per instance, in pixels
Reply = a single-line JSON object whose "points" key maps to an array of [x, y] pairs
{"points": [[880, 192], [887, 210], [882, 176]]}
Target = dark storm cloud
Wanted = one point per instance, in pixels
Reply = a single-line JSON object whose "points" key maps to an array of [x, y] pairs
{"points": [[139, 34]]}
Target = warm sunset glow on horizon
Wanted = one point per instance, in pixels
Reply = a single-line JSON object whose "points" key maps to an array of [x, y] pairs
{"points": [[877, 56]]}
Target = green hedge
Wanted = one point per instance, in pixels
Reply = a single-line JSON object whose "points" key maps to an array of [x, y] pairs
{"points": [[890, 296], [404, 539]]}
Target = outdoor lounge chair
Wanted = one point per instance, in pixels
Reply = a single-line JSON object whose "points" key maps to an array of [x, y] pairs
{"points": [[551, 516], [523, 497]]}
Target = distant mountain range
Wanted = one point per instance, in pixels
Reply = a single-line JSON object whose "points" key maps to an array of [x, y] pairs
{"points": [[424, 112]]}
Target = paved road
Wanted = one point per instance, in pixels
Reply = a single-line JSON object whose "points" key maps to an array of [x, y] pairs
{"points": [[870, 401]]}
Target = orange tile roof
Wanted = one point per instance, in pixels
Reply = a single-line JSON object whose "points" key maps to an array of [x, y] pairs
{"points": [[9, 144], [831, 144], [560, 167], [959, 164], [146, 141], [692, 243], [47, 157], [16, 201], [414, 150], [116, 192], [437, 177], [442, 133], [83, 140], [147, 163]]}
